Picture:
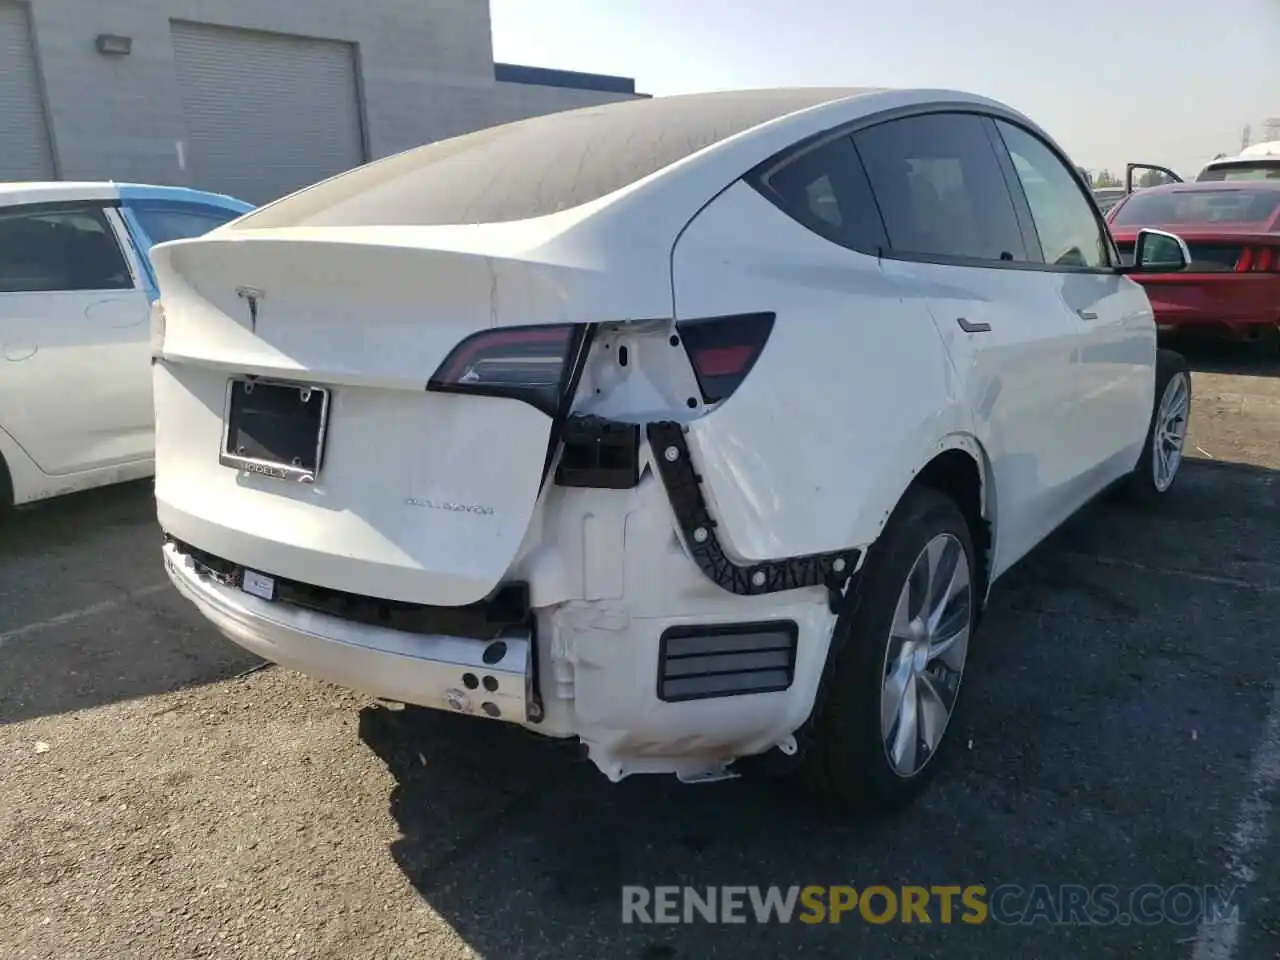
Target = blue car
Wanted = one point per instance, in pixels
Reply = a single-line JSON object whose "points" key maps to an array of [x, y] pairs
{"points": [[76, 288]]}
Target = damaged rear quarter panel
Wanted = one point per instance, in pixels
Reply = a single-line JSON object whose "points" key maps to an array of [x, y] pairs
{"points": [[853, 395]]}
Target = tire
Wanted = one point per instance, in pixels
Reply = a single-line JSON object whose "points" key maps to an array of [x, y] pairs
{"points": [[847, 761], [1151, 478], [6, 488]]}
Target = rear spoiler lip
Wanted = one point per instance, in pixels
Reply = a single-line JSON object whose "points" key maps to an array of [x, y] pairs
{"points": [[1198, 235]]}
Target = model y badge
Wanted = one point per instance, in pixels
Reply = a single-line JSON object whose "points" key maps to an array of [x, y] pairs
{"points": [[252, 295], [479, 508], [266, 470]]}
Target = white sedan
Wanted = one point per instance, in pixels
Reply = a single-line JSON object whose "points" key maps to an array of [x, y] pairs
{"points": [[76, 289], [696, 428]]}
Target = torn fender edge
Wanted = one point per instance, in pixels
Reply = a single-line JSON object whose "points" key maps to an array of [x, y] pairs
{"points": [[684, 490]]}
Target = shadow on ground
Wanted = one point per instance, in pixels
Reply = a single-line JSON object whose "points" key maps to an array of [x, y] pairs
{"points": [[1242, 359], [64, 521], [86, 614], [1103, 740]]}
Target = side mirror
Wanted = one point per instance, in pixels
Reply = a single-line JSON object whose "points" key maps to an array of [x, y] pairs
{"points": [[1156, 251]]}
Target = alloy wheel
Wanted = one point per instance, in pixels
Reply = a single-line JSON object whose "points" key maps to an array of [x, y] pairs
{"points": [[1170, 432], [925, 655]]}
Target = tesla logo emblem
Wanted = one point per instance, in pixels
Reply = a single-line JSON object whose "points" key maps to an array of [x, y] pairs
{"points": [[253, 295]]}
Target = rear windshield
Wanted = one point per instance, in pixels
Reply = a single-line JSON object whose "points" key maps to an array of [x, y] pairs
{"points": [[1259, 170], [1241, 206], [533, 167]]}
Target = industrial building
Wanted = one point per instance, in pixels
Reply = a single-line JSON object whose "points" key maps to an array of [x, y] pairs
{"points": [[254, 98]]}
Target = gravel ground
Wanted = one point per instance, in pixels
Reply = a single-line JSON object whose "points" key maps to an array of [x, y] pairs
{"points": [[164, 797]]}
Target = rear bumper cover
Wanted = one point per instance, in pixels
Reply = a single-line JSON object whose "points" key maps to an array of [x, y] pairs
{"points": [[658, 656], [484, 678], [1230, 301]]}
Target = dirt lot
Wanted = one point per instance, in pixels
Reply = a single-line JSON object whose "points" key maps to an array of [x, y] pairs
{"points": [[161, 798]]}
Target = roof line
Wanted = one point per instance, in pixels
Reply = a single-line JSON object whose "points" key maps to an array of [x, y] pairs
{"points": [[567, 79]]}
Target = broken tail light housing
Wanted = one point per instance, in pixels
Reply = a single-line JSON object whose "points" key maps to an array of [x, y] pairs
{"points": [[535, 364], [722, 350]]}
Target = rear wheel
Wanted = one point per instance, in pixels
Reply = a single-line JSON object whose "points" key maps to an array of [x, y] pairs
{"points": [[1161, 458], [895, 681]]}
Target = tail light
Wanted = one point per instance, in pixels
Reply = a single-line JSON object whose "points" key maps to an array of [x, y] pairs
{"points": [[722, 350], [1258, 260], [534, 364]]}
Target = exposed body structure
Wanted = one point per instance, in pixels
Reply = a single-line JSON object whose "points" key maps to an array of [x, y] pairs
{"points": [[695, 428]]}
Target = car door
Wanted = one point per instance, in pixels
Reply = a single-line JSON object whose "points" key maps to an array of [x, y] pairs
{"points": [[1153, 177], [74, 372], [956, 241], [1116, 327]]}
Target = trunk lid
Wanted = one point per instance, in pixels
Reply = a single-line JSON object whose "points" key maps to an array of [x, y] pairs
{"points": [[419, 496]]}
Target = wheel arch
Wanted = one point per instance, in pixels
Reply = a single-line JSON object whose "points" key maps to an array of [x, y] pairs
{"points": [[18, 472], [961, 469]]}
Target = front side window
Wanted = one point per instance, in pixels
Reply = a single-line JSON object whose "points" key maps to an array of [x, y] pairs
{"points": [[940, 189], [1070, 235], [165, 223], [826, 190], [44, 249]]}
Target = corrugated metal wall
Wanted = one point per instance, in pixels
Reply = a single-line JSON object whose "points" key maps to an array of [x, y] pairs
{"points": [[265, 113], [24, 139]]}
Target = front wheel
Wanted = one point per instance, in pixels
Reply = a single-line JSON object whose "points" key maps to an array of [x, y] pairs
{"points": [[895, 680], [1161, 458]]}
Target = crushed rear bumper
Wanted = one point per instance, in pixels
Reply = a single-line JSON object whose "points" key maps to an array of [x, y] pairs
{"points": [[490, 678]]}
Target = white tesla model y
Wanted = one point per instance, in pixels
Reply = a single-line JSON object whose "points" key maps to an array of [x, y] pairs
{"points": [[697, 428]]}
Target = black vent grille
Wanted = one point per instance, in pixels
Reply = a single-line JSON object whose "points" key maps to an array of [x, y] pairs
{"points": [[700, 662]]}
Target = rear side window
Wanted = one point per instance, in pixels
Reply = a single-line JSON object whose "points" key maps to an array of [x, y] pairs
{"points": [[165, 223], [1260, 170], [46, 250], [940, 188], [827, 191], [1241, 205]]}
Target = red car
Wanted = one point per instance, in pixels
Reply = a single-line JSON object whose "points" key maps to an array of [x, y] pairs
{"points": [[1232, 229]]}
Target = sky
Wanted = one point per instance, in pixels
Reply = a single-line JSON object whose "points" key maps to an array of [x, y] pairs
{"points": [[1164, 81]]}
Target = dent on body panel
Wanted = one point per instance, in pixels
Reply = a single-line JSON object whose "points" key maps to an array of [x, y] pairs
{"points": [[1127, 337], [812, 451], [972, 386], [1117, 355]]}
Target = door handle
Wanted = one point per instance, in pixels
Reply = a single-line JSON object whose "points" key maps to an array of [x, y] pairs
{"points": [[1087, 315], [968, 327]]}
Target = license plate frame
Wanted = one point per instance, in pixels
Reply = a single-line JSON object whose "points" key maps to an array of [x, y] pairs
{"points": [[251, 454]]}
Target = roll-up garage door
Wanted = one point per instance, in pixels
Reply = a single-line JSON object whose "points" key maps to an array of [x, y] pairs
{"points": [[265, 113], [24, 140]]}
